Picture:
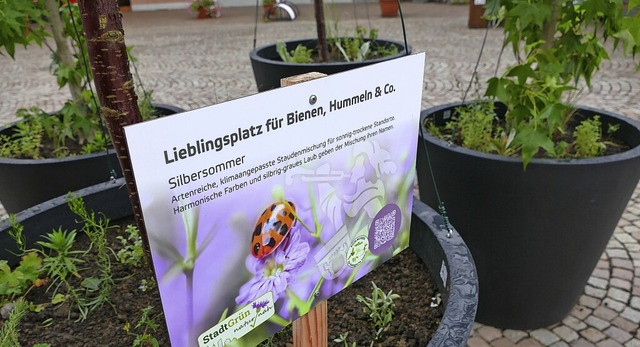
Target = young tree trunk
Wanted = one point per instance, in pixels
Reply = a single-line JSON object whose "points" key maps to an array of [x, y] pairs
{"points": [[102, 24], [549, 27], [323, 49], [63, 51]]}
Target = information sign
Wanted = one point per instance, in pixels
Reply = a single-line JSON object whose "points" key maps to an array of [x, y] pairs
{"points": [[260, 208]]}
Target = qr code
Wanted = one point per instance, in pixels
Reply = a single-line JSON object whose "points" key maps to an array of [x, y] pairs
{"points": [[384, 229]]}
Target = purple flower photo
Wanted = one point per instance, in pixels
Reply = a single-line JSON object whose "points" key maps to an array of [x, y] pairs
{"points": [[275, 272]]}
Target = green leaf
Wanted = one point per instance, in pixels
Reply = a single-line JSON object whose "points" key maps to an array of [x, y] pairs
{"points": [[628, 41], [522, 72], [30, 266], [497, 87], [531, 140], [554, 114], [530, 13], [91, 283], [58, 298]]}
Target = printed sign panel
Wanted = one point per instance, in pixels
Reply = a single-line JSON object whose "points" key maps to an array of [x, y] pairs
{"points": [[260, 208]]}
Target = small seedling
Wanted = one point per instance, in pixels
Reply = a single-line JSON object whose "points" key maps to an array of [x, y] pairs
{"points": [[148, 326], [97, 289], [380, 309], [16, 282], [60, 263], [146, 285], [588, 138], [9, 332], [17, 234], [132, 251], [270, 341], [300, 55], [59, 259], [343, 339]]}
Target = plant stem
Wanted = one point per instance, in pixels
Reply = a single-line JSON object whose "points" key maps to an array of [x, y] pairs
{"points": [[191, 329], [549, 27], [323, 49], [63, 52]]}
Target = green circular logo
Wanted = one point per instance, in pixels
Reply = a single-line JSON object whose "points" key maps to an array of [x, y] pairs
{"points": [[357, 251]]}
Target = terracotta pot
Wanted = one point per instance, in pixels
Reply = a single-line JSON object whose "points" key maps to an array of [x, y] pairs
{"points": [[389, 8], [202, 13], [475, 16]]}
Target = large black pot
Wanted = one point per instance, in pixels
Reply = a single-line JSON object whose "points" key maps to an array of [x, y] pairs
{"points": [[269, 69], [445, 255], [28, 182], [535, 235], [109, 198]]}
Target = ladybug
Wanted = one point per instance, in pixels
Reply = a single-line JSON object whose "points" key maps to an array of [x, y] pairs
{"points": [[272, 227]]}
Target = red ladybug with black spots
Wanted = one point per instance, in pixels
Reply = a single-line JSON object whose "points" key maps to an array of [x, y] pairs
{"points": [[272, 228]]}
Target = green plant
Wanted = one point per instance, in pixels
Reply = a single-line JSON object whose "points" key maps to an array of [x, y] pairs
{"points": [[362, 46], [95, 227], [588, 138], [132, 248], [60, 260], [380, 309], [558, 44], [76, 127], [300, 55], [9, 332], [59, 263], [25, 142], [14, 283], [343, 339], [210, 7], [21, 23], [146, 285], [269, 342], [147, 325], [17, 233]]}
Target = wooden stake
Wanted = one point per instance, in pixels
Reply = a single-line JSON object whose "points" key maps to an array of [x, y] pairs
{"points": [[309, 330], [289, 81]]}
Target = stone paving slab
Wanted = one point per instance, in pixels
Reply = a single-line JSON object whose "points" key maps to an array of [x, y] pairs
{"points": [[194, 63]]}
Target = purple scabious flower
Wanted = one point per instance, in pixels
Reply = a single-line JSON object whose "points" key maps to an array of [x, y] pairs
{"points": [[275, 271]]}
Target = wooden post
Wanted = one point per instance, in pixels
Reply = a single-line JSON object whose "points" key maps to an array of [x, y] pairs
{"points": [[309, 330]]}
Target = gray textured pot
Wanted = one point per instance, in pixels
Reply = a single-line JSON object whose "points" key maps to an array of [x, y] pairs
{"points": [[110, 198], [447, 257], [28, 182]]}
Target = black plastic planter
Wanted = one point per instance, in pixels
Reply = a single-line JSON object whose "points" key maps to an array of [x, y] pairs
{"points": [[28, 182], [269, 69], [109, 198], [535, 235], [448, 258], [445, 255]]}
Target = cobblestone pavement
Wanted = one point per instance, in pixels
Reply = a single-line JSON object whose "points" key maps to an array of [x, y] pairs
{"points": [[194, 63]]}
